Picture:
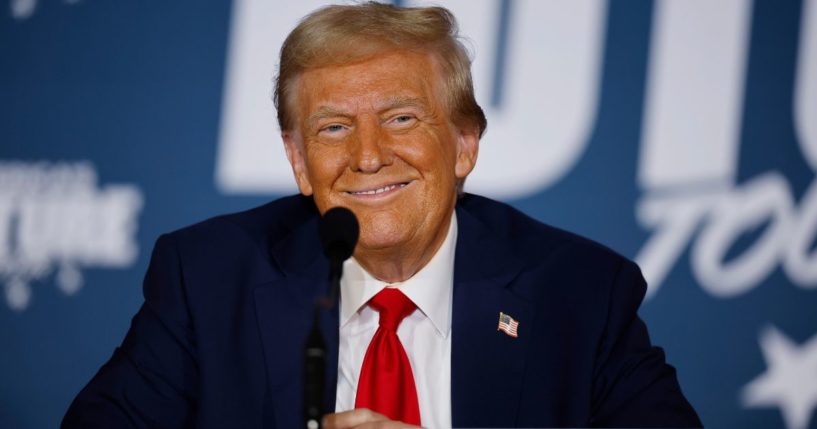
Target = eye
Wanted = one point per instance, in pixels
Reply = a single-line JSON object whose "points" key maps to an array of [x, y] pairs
{"points": [[332, 128], [402, 121]]}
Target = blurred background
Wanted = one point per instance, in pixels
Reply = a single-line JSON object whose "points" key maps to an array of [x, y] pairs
{"points": [[681, 133]]}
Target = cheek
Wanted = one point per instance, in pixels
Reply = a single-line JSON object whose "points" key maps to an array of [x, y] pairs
{"points": [[440, 164], [325, 162], [324, 165], [430, 154]]}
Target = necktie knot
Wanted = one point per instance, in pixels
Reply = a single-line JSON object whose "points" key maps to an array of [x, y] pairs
{"points": [[393, 307]]}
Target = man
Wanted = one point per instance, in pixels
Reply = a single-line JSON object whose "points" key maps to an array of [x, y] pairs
{"points": [[503, 321]]}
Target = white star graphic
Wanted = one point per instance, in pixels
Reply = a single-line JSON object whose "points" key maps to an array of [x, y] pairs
{"points": [[790, 380]]}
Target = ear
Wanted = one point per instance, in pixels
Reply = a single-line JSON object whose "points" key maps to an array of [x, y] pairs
{"points": [[467, 151], [294, 147]]}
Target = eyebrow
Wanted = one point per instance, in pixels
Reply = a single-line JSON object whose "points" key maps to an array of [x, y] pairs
{"points": [[403, 101], [322, 113], [390, 103]]}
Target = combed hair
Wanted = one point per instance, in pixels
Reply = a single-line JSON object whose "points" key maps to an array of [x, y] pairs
{"points": [[342, 34]]}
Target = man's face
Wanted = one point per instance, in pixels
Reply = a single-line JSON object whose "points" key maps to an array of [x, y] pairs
{"points": [[375, 136]]}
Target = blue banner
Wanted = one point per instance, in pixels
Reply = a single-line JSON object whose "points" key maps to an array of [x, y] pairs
{"points": [[681, 133]]}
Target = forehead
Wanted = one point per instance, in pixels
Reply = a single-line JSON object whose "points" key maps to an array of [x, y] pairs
{"points": [[369, 82]]}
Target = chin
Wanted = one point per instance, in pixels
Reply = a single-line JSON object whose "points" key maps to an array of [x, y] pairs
{"points": [[380, 234], [376, 241]]}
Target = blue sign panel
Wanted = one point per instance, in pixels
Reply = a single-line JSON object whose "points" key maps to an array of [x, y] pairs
{"points": [[681, 133]]}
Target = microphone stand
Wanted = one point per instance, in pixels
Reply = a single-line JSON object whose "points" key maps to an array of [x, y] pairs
{"points": [[315, 353], [339, 232]]}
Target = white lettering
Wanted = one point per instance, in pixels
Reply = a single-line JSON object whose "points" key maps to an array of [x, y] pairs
{"points": [[696, 75], [53, 217], [805, 95], [800, 266], [723, 216], [689, 143], [6, 211], [550, 90], [674, 219], [22, 9], [765, 198], [18, 294]]}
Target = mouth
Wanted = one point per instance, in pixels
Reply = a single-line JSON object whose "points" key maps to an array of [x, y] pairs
{"points": [[378, 191]]}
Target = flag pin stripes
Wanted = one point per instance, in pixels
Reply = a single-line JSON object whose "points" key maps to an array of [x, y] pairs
{"points": [[508, 325]]}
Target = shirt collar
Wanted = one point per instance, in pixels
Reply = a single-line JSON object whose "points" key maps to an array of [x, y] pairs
{"points": [[430, 288]]}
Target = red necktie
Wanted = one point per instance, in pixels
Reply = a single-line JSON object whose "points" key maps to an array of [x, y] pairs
{"points": [[386, 382]]}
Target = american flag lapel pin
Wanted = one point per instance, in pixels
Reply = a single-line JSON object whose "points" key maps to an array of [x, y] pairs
{"points": [[508, 325]]}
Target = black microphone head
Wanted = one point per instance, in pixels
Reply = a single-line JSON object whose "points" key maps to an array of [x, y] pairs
{"points": [[339, 231]]}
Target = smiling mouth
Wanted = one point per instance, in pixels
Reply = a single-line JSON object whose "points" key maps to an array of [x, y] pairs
{"points": [[380, 190]]}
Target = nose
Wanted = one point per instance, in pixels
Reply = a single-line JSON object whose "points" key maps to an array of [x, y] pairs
{"points": [[369, 151]]}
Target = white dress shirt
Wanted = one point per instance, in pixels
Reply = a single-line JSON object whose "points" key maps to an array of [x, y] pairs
{"points": [[425, 333]]}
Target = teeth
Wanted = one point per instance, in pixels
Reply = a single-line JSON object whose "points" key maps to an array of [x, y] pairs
{"points": [[379, 190]]}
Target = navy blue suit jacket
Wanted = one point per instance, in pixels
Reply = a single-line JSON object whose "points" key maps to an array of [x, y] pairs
{"points": [[219, 340]]}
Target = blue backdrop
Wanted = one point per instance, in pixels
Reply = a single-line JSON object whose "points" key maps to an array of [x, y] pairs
{"points": [[693, 150]]}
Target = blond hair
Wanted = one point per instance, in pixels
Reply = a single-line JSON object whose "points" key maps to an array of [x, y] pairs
{"points": [[342, 34]]}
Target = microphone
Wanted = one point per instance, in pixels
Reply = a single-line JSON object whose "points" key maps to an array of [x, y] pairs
{"points": [[339, 231]]}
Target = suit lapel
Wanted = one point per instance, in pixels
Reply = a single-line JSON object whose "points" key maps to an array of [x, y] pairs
{"points": [[487, 365], [284, 310]]}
